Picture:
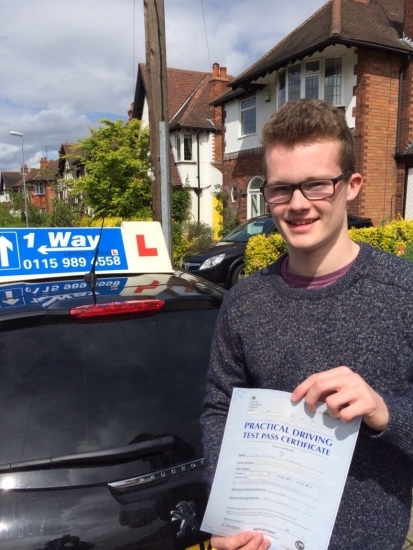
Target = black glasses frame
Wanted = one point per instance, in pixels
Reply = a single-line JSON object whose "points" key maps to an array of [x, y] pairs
{"points": [[295, 186]]}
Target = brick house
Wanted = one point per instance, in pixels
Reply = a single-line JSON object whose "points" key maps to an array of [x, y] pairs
{"points": [[195, 128], [355, 54], [40, 184]]}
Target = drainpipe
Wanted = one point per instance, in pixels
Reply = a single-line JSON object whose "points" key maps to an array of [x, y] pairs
{"points": [[399, 108], [198, 191]]}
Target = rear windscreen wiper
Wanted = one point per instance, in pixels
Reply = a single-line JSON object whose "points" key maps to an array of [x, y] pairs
{"points": [[105, 457]]}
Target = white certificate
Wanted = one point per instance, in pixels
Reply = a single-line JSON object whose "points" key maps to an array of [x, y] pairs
{"points": [[281, 471]]}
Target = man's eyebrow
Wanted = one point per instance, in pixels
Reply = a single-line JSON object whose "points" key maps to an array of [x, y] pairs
{"points": [[306, 180]]}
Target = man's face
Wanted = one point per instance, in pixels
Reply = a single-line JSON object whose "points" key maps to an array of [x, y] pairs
{"points": [[310, 225]]}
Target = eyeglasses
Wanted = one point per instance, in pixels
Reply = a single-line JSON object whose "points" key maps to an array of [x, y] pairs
{"points": [[312, 190]]}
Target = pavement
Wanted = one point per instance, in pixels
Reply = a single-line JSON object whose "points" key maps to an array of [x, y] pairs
{"points": [[408, 545]]}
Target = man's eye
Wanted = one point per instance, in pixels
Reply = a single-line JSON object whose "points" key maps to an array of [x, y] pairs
{"points": [[280, 190], [314, 185]]}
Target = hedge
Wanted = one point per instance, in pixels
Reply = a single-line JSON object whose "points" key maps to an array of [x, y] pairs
{"points": [[395, 237]]}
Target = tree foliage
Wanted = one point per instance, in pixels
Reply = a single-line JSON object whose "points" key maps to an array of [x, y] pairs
{"points": [[180, 203], [116, 157]]}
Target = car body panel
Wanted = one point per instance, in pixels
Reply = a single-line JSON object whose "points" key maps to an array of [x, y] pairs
{"points": [[70, 386]]}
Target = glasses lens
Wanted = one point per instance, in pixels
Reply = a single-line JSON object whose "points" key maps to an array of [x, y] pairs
{"points": [[277, 193], [314, 190]]}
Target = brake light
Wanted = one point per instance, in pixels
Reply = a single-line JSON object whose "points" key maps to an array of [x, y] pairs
{"points": [[116, 308]]}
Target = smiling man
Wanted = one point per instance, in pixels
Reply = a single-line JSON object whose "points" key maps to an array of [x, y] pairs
{"points": [[330, 321]]}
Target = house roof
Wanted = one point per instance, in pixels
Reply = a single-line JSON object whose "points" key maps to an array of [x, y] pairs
{"points": [[9, 179], [376, 24], [188, 97], [194, 113], [71, 153], [46, 173]]}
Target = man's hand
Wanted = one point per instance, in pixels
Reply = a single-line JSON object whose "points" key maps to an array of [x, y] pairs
{"points": [[243, 541], [346, 395]]}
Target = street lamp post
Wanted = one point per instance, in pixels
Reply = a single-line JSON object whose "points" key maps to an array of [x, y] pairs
{"points": [[19, 134]]}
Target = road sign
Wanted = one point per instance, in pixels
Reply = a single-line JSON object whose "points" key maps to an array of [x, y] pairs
{"points": [[29, 253]]}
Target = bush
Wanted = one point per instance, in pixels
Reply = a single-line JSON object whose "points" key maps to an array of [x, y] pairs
{"points": [[180, 244], [262, 251], [395, 237], [408, 252]]}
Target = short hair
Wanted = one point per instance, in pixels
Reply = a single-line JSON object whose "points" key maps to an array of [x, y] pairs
{"points": [[308, 120]]}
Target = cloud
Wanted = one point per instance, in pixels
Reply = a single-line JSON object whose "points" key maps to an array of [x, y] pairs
{"points": [[65, 66]]}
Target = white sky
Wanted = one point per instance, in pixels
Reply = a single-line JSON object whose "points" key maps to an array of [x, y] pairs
{"points": [[65, 64]]}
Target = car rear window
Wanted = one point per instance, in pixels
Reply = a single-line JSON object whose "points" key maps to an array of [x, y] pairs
{"points": [[69, 387]]}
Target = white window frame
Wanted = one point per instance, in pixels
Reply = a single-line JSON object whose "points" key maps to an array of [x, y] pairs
{"points": [[38, 188], [310, 74], [180, 141], [283, 77], [255, 198], [247, 108]]}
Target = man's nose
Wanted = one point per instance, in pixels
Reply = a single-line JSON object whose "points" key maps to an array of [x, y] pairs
{"points": [[298, 200]]}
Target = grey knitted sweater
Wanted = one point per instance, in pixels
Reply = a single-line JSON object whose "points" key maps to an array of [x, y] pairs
{"points": [[270, 335]]}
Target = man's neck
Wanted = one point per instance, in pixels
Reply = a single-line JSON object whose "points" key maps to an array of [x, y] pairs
{"points": [[314, 263]]}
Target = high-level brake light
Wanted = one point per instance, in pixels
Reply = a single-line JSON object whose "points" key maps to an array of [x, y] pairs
{"points": [[116, 308]]}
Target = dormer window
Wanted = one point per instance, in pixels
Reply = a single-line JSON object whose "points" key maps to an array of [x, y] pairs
{"points": [[184, 147], [306, 80]]}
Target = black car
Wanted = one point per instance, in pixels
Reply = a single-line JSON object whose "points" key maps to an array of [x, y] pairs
{"points": [[101, 389], [223, 262]]}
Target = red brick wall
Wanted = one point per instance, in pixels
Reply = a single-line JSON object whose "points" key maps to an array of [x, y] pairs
{"points": [[218, 85], [238, 172], [375, 133], [43, 201]]}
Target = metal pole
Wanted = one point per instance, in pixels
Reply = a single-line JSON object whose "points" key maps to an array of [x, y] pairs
{"points": [[165, 185], [24, 188], [24, 178]]}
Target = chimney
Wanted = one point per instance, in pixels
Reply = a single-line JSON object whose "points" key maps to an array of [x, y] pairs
{"points": [[218, 85], [25, 168], [43, 162], [130, 111], [408, 20]]}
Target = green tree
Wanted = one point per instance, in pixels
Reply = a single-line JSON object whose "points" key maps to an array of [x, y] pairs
{"points": [[116, 157]]}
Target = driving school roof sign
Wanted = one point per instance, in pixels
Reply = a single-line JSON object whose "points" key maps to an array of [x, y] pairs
{"points": [[135, 247]]}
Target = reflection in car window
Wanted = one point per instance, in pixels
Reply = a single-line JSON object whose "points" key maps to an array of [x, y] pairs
{"points": [[69, 387], [249, 228]]}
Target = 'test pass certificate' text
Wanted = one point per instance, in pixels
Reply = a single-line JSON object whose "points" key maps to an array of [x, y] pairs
{"points": [[281, 471]]}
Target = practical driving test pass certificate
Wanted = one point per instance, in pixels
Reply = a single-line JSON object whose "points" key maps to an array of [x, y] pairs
{"points": [[281, 471]]}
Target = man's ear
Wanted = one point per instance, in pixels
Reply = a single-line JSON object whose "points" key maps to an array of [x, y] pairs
{"points": [[354, 186]]}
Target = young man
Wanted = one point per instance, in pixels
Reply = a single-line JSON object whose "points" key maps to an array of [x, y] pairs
{"points": [[331, 321]]}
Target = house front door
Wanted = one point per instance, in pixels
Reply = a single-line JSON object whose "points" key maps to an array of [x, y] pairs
{"points": [[408, 210]]}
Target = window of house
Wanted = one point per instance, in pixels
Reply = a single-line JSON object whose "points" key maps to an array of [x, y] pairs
{"points": [[38, 188], [187, 146], [332, 80], [255, 200], [312, 80], [248, 116], [184, 147], [307, 80], [294, 82], [281, 88]]}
